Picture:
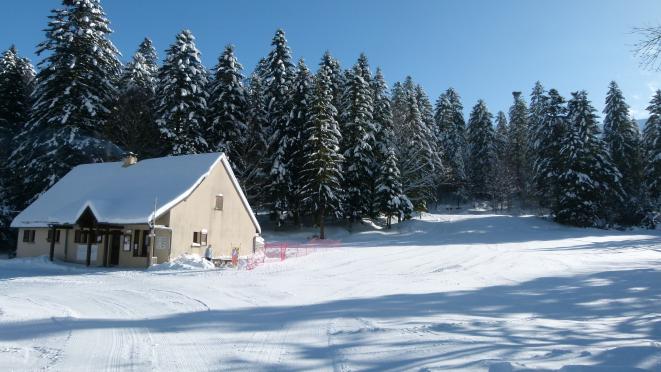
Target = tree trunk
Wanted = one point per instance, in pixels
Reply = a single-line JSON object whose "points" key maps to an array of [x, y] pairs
{"points": [[322, 233]]}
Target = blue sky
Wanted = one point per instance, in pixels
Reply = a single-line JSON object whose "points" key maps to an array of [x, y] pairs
{"points": [[483, 48]]}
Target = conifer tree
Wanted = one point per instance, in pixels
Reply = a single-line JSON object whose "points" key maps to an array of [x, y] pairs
{"points": [[278, 72], [652, 141], [518, 140], [256, 160], [132, 123], [622, 139], [358, 134], [501, 137], [16, 85], [450, 127], [75, 85], [481, 149], [337, 77], [298, 120], [418, 161], [321, 175], [587, 180], [392, 201], [227, 111], [546, 147], [181, 110]]}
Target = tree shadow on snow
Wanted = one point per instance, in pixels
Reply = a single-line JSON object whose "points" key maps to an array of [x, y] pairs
{"points": [[627, 302]]}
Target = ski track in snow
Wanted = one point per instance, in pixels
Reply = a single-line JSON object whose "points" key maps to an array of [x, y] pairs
{"points": [[474, 292]]}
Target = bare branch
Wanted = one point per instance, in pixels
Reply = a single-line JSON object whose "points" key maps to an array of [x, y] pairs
{"points": [[648, 49]]}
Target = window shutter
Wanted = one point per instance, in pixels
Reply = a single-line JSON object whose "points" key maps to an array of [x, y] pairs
{"points": [[219, 202], [203, 239]]}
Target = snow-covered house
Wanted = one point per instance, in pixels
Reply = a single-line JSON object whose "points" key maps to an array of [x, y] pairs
{"points": [[135, 213]]}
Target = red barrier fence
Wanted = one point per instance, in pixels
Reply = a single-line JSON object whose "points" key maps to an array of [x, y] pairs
{"points": [[280, 251]]}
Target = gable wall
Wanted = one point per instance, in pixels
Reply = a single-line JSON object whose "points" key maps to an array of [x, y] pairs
{"points": [[231, 227]]}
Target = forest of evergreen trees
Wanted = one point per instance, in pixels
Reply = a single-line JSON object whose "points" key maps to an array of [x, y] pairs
{"points": [[308, 146]]}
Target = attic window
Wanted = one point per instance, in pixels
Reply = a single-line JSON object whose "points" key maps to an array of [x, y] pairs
{"points": [[219, 202]]}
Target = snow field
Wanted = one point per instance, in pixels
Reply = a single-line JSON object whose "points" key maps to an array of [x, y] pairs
{"points": [[447, 292]]}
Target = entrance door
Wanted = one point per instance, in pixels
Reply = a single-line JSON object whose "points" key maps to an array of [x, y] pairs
{"points": [[115, 242]]}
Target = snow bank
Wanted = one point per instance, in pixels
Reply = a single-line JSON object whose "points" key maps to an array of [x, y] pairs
{"points": [[185, 262]]}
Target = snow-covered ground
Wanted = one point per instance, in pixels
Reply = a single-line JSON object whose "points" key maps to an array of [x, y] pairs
{"points": [[469, 292]]}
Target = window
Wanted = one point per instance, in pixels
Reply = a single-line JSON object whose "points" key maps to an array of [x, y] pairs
{"points": [[50, 236], [141, 243], [219, 202], [28, 236], [200, 237], [85, 237]]}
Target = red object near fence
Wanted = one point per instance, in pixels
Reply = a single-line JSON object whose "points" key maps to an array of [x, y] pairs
{"points": [[280, 251]]}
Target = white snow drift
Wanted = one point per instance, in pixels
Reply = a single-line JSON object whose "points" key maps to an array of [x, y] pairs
{"points": [[464, 292]]}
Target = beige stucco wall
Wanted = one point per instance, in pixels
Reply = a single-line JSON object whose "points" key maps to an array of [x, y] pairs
{"points": [[67, 249], [231, 227]]}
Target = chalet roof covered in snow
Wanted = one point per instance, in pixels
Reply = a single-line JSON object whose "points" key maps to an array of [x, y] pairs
{"points": [[124, 195]]}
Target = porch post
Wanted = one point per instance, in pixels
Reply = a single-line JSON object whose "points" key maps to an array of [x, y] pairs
{"points": [[52, 242], [89, 247], [105, 248]]}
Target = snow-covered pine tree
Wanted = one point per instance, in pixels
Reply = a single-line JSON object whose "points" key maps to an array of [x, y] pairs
{"points": [[392, 201], [652, 141], [182, 106], [518, 138], [337, 77], [451, 128], [501, 137], [256, 160], [546, 147], [278, 73], [382, 117], [622, 139], [75, 84], [298, 119], [416, 156], [321, 175], [482, 155], [436, 147], [538, 101], [227, 111], [587, 180], [358, 139], [16, 86], [132, 124]]}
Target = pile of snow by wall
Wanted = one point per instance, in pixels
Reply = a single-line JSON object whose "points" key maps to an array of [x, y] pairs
{"points": [[185, 262]]}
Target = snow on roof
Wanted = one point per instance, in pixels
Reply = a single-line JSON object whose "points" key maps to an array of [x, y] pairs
{"points": [[124, 195]]}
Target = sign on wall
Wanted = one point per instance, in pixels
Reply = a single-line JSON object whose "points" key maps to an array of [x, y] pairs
{"points": [[162, 242]]}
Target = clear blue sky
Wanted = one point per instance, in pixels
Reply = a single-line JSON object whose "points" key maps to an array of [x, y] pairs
{"points": [[483, 48]]}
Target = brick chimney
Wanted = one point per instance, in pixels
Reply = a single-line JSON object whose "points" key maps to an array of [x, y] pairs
{"points": [[129, 159]]}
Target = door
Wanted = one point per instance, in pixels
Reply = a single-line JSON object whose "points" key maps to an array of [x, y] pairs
{"points": [[115, 242]]}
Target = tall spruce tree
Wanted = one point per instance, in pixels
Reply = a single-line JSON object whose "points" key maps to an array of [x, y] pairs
{"points": [[132, 124], [16, 85], [546, 148], [337, 77], [622, 138], [321, 175], [587, 180], [75, 85], [518, 139], [418, 160], [482, 155], [181, 110], [451, 128], [298, 119], [256, 160], [228, 110], [501, 137], [278, 73], [358, 140], [652, 141], [392, 201]]}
